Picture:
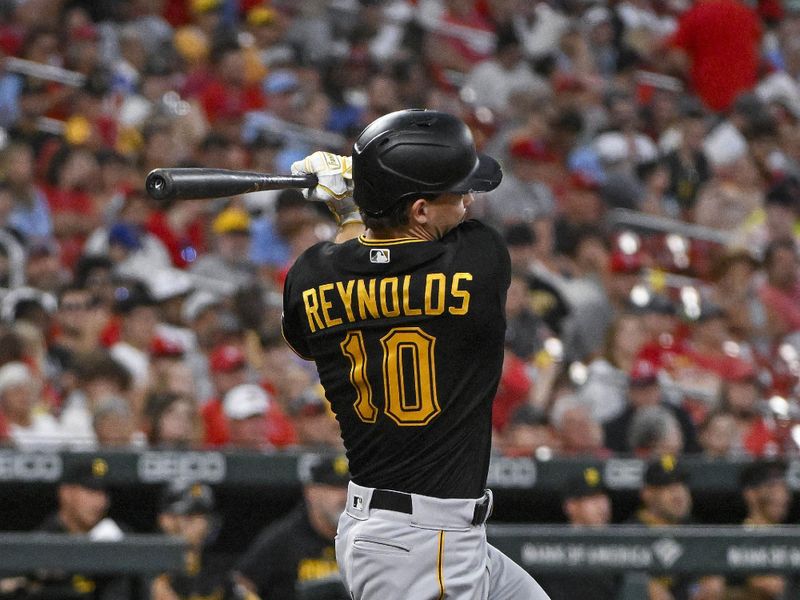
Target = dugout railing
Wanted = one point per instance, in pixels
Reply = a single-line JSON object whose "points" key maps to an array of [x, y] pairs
{"points": [[137, 556], [280, 469], [637, 552]]}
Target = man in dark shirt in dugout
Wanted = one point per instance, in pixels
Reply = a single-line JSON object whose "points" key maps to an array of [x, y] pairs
{"points": [[294, 557], [83, 503], [586, 503]]}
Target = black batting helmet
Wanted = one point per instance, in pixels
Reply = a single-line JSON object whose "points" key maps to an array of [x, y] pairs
{"points": [[413, 153]]}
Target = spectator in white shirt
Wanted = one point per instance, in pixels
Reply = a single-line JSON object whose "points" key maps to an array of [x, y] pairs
{"points": [[30, 428]]}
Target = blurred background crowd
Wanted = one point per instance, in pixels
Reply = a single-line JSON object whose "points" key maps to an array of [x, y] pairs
{"points": [[651, 151]]}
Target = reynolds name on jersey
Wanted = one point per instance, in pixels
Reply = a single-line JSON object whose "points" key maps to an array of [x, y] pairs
{"points": [[332, 304]]}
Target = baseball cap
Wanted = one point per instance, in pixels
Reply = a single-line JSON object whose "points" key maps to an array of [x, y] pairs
{"points": [[653, 303], [245, 401], [232, 220], [329, 470], [708, 311], [623, 262], [739, 370], [588, 483], [165, 284], [227, 358], [164, 348], [528, 149], [198, 303], [281, 82], [91, 473], [13, 374], [205, 6], [665, 471], [260, 15], [596, 15], [761, 472], [642, 373], [583, 181], [785, 192], [187, 499], [125, 235], [132, 296], [309, 402]]}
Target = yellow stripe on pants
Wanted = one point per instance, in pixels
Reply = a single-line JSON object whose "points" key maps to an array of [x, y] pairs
{"points": [[440, 565]]}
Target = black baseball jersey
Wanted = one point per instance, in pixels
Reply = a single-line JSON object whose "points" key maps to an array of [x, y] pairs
{"points": [[407, 336], [287, 554], [47, 585]]}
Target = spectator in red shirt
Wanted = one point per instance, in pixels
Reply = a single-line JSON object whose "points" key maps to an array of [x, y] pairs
{"points": [[461, 39], [72, 174], [228, 95], [721, 40], [180, 229], [741, 395], [228, 366], [245, 408], [781, 291], [513, 391]]}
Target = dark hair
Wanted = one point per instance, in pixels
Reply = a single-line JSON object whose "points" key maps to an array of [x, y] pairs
{"points": [[774, 246], [99, 364], [578, 234], [222, 46], [394, 216], [11, 347], [69, 289], [156, 404], [87, 264], [27, 308], [506, 37], [519, 234]]}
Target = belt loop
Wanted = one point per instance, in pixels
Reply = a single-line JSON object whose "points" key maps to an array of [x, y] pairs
{"points": [[483, 508]]}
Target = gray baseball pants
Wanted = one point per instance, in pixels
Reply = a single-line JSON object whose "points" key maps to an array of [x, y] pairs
{"points": [[433, 553]]}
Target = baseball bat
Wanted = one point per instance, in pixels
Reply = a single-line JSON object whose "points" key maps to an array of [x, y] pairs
{"points": [[196, 183]]}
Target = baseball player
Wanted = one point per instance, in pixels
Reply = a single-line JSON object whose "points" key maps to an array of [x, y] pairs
{"points": [[404, 316]]}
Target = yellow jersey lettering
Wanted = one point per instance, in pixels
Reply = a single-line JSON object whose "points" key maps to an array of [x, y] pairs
{"points": [[346, 294], [407, 309], [311, 303], [367, 300], [463, 295], [326, 305], [434, 300], [389, 292]]}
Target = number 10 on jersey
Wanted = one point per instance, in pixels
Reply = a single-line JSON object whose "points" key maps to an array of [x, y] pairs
{"points": [[409, 376]]}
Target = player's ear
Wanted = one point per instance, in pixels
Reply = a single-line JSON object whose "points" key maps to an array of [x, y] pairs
{"points": [[418, 211]]}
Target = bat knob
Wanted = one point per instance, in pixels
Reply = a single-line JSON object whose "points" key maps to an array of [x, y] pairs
{"points": [[157, 185]]}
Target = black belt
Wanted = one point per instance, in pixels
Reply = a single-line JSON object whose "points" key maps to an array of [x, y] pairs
{"points": [[401, 502]]}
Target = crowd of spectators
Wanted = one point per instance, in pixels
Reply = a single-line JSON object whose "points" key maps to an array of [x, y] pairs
{"points": [[651, 155]]}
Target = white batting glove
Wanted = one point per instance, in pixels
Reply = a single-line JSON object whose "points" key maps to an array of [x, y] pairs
{"points": [[335, 184]]}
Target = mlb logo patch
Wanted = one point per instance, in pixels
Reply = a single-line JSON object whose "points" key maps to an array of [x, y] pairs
{"points": [[379, 255], [358, 502]]}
